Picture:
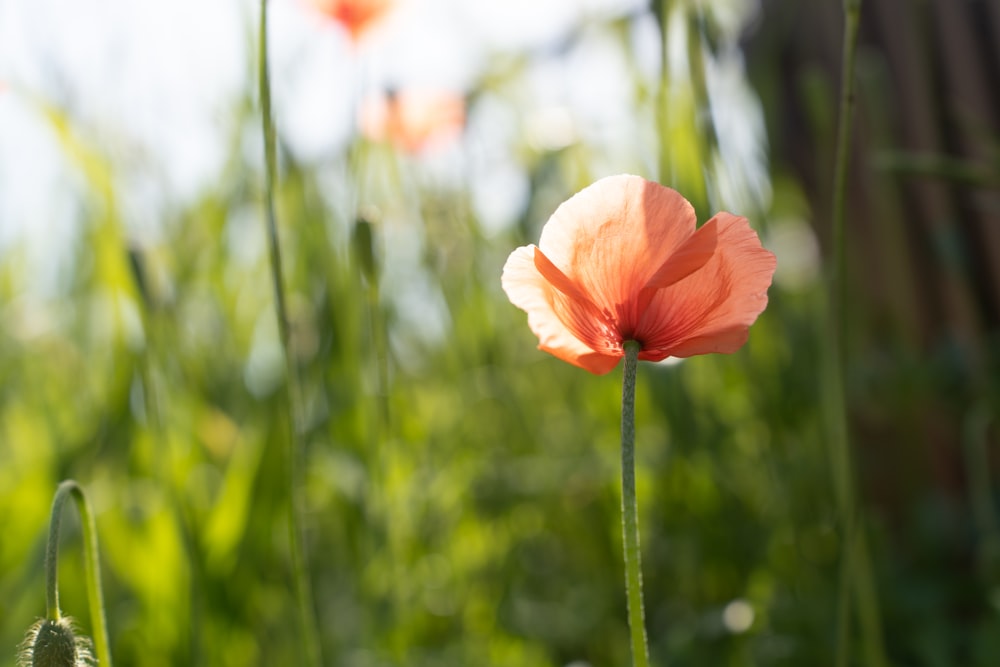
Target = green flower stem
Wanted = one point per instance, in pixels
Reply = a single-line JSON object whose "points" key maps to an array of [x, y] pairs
{"points": [[856, 565], [630, 512], [840, 453], [852, 19], [303, 590], [92, 567]]}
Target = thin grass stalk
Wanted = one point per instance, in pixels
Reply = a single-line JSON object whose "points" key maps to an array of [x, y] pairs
{"points": [[856, 578], [303, 589], [835, 399], [157, 426], [976, 445], [664, 166], [365, 241]]}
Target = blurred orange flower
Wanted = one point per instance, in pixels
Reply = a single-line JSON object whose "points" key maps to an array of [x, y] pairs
{"points": [[414, 120], [622, 260], [356, 16]]}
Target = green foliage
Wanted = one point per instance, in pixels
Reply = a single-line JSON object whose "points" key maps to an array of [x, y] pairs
{"points": [[462, 503]]}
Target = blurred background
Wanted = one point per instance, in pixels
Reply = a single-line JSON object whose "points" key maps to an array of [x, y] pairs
{"points": [[461, 488]]}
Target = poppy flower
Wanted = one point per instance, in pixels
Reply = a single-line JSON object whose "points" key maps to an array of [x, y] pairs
{"points": [[413, 120], [623, 260], [357, 16]]}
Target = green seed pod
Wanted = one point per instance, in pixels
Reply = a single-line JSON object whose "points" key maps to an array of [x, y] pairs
{"points": [[55, 644]]}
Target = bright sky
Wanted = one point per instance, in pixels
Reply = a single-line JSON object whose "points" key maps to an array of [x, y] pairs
{"points": [[155, 85]]}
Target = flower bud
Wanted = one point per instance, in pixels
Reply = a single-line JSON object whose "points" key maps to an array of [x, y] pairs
{"points": [[363, 242], [51, 643]]}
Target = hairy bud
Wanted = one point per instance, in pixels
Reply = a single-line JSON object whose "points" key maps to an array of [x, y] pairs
{"points": [[51, 643]]}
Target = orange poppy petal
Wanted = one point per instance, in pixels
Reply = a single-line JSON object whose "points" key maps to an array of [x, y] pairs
{"points": [[414, 120], [356, 16], [692, 255], [585, 321], [622, 259], [555, 277], [530, 291], [613, 236], [712, 309]]}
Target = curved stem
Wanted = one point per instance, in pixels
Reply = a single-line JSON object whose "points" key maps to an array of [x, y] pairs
{"points": [[303, 591], [630, 512], [91, 565], [52, 612]]}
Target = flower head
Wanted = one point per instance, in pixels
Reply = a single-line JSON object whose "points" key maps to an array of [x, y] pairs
{"points": [[622, 260], [414, 120], [357, 16]]}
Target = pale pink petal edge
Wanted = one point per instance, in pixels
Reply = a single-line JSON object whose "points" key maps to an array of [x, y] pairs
{"points": [[528, 290]]}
